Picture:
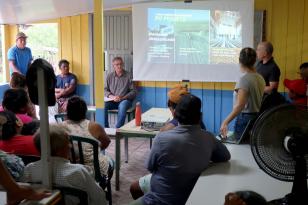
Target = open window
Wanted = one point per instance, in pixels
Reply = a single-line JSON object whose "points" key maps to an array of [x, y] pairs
{"points": [[43, 41]]}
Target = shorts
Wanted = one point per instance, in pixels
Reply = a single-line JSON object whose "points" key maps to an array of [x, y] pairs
{"points": [[145, 183]]}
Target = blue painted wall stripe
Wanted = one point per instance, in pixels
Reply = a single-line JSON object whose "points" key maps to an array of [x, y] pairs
{"points": [[216, 104], [84, 92], [99, 116]]}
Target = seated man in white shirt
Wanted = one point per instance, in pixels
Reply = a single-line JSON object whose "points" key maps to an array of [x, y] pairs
{"points": [[64, 173]]}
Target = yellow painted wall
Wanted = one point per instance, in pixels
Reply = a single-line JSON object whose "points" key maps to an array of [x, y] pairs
{"points": [[287, 29], [98, 53], [9, 40], [74, 45]]}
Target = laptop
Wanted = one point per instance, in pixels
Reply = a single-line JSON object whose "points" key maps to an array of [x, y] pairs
{"points": [[230, 139]]}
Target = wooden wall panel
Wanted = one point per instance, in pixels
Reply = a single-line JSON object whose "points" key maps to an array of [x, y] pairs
{"points": [[279, 35], [294, 38], [10, 32], [76, 46], [305, 34], [85, 49], [66, 38]]}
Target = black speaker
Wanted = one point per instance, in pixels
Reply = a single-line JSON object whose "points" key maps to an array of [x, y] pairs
{"points": [[50, 81]]}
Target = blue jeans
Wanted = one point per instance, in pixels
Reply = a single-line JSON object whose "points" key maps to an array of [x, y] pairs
{"points": [[241, 122], [122, 107]]}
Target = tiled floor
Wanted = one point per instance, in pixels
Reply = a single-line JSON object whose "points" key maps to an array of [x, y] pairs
{"points": [[139, 149]]}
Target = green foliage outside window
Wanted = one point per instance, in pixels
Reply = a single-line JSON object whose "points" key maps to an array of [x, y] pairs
{"points": [[43, 41]]}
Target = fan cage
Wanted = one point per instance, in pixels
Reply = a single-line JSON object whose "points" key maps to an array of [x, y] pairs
{"points": [[267, 139]]}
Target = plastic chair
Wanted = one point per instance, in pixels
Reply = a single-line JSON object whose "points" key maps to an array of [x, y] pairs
{"points": [[104, 181], [80, 194]]}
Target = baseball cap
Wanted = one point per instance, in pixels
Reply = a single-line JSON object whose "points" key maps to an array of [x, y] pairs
{"points": [[176, 93], [21, 35]]}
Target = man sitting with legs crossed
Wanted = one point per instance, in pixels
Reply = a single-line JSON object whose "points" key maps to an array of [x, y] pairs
{"points": [[120, 89]]}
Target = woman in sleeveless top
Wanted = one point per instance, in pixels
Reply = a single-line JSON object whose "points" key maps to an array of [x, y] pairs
{"points": [[80, 126]]}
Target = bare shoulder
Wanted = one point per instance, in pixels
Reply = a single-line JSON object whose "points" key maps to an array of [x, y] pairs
{"points": [[96, 129]]}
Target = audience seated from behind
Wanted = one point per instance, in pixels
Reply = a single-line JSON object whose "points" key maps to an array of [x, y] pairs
{"points": [[244, 198], [19, 81], [17, 101], [16, 193], [248, 93], [64, 173], [174, 162], [298, 88], [78, 125], [174, 96], [120, 89], [11, 139], [66, 85]]}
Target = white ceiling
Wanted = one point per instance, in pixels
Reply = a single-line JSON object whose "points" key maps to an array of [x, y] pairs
{"points": [[27, 11]]}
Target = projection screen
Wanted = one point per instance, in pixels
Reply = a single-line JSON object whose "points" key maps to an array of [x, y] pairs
{"points": [[198, 41]]}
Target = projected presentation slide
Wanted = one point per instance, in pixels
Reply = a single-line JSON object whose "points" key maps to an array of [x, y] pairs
{"points": [[184, 36], [175, 34], [225, 36]]}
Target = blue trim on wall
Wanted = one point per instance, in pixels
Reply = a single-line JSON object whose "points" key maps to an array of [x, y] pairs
{"points": [[84, 92], [99, 116]]}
